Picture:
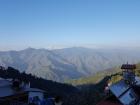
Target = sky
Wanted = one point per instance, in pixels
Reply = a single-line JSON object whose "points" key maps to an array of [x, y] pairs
{"points": [[69, 23]]}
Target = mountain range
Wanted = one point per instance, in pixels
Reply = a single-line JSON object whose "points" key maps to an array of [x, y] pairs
{"points": [[68, 63]]}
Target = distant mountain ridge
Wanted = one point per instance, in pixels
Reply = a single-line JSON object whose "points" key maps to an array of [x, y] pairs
{"points": [[68, 63]]}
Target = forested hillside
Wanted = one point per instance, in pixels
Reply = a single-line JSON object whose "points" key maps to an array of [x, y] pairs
{"points": [[100, 75]]}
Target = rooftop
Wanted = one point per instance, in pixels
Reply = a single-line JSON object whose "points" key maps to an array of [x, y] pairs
{"points": [[7, 90], [128, 66], [4, 82]]}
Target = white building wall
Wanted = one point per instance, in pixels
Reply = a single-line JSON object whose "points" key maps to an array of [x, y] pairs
{"points": [[33, 94]]}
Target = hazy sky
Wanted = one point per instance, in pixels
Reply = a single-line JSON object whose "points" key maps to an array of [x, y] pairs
{"points": [[59, 23]]}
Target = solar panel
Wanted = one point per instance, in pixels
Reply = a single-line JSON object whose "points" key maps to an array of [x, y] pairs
{"points": [[119, 88], [129, 98], [124, 93]]}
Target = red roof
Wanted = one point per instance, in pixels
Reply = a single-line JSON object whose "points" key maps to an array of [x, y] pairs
{"points": [[108, 103], [128, 66]]}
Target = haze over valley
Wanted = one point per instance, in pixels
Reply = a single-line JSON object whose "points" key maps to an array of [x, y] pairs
{"points": [[68, 63]]}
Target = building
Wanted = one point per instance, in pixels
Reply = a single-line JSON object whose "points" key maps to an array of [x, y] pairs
{"points": [[16, 93], [125, 91]]}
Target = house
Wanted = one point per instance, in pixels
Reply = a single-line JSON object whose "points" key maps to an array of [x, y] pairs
{"points": [[126, 91], [17, 93]]}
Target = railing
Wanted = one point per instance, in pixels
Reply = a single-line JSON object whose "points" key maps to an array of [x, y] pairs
{"points": [[17, 103]]}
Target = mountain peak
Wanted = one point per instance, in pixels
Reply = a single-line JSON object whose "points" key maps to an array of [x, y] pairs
{"points": [[30, 48]]}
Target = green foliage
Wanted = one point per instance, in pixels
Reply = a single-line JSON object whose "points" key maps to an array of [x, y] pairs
{"points": [[116, 78], [138, 70], [113, 72], [96, 77]]}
